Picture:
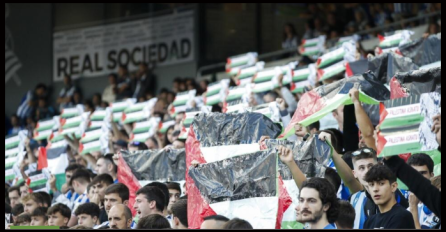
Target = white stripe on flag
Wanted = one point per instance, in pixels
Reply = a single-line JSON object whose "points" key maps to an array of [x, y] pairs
{"points": [[58, 165], [217, 153], [12, 140], [142, 124], [406, 110], [393, 140], [266, 73], [11, 151], [260, 212], [61, 143]]}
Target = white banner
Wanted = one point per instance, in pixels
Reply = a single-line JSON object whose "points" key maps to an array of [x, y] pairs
{"points": [[98, 51]]}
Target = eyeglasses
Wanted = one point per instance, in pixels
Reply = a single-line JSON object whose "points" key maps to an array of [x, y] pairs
{"points": [[136, 143], [363, 150]]}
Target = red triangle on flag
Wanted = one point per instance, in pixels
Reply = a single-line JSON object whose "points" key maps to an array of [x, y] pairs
{"points": [[42, 160]]}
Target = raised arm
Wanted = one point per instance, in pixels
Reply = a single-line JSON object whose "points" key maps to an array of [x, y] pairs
{"points": [[364, 123]]}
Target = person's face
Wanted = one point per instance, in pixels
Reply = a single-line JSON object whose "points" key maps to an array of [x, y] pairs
{"points": [[100, 190], [14, 198], [300, 131], [361, 167], [203, 85], [77, 97], [424, 170], [268, 98], [80, 160], [38, 221], [90, 193], [96, 100], [133, 148], [111, 200], [339, 114], [23, 191], [42, 103], [169, 135], [57, 220], [102, 167], [382, 191], [30, 206], [68, 176], [178, 144], [151, 145], [142, 206], [116, 219], [67, 81], [14, 121], [310, 208], [86, 220], [361, 143], [111, 80], [174, 195]]}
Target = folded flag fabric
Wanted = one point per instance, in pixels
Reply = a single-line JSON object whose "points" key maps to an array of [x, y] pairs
{"points": [[241, 60], [125, 175], [118, 108], [301, 78], [423, 51], [266, 80], [415, 83], [145, 129], [317, 103], [165, 125], [216, 92], [287, 72], [246, 75], [138, 111], [214, 137], [100, 118], [56, 139], [38, 181], [55, 160], [405, 125], [270, 110], [398, 38], [182, 102], [189, 118], [18, 178], [235, 106], [356, 67], [157, 165], [14, 145], [345, 52], [74, 125], [45, 128], [385, 66], [312, 47], [72, 111]]}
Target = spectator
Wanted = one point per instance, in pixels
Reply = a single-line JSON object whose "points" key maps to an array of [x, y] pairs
{"points": [[123, 84], [39, 217], [214, 222], [382, 186], [165, 190], [144, 81], [237, 224], [289, 37], [88, 214], [77, 98], [334, 25], [46, 198], [179, 213], [24, 191], [177, 85], [109, 94], [66, 94], [149, 200], [114, 194], [79, 181], [346, 218], [170, 97], [338, 114], [179, 143], [23, 219], [153, 221], [105, 165], [423, 163], [120, 217], [15, 122], [32, 201], [318, 204], [44, 111], [360, 19], [99, 185], [205, 83], [97, 101], [168, 138], [422, 216], [58, 215], [70, 196], [29, 102], [152, 143], [174, 194], [16, 211], [137, 146], [14, 196], [88, 106]]}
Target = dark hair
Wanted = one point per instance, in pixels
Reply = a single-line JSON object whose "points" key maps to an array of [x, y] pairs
{"points": [[162, 187], [153, 193], [121, 189], [315, 125], [346, 218], [41, 86], [273, 94], [61, 208], [24, 217], [380, 172], [153, 221], [179, 210], [89, 103], [81, 175], [216, 218], [176, 133], [237, 223], [339, 144], [8, 208], [88, 208], [140, 145], [292, 28], [127, 213], [174, 185], [81, 227], [109, 158], [45, 197], [327, 194], [40, 212], [17, 209], [178, 79], [183, 197], [35, 197], [153, 138], [166, 139], [114, 75], [332, 176], [72, 167], [102, 178], [421, 159], [14, 188], [123, 66], [347, 157]]}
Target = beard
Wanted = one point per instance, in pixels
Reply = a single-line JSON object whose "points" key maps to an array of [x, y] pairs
{"points": [[312, 218]]}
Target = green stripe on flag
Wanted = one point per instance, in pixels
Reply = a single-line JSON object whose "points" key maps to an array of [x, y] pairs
{"points": [[142, 129], [400, 149], [69, 115], [332, 60], [132, 109], [246, 75], [437, 169], [44, 128], [180, 103], [337, 70], [238, 64], [60, 180], [119, 109], [38, 183], [90, 138], [401, 185], [213, 92], [298, 90], [402, 121], [11, 145], [71, 125], [389, 43], [291, 225], [306, 45], [300, 78], [97, 118], [234, 97], [9, 177], [263, 79], [211, 103]]}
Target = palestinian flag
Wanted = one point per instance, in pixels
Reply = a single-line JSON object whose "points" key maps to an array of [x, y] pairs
{"points": [[180, 103], [125, 175], [310, 51], [423, 51], [74, 125], [331, 71], [385, 66], [189, 118], [55, 160], [247, 187], [157, 165], [415, 83], [216, 92], [229, 143], [118, 108], [91, 135], [330, 58], [236, 106], [321, 101], [42, 135], [145, 129], [348, 38], [234, 71], [93, 146], [405, 125], [287, 71], [99, 118], [270, 110], [266, 80], [138, 111], [235, 93], [241, 60], [300, 79], [398, 38], [245, 75], [14, 145], [38, 181], [72, 111], [310, 42], [356, 67], [44, 125], [56, 139], [165, 125], [18, 179]]}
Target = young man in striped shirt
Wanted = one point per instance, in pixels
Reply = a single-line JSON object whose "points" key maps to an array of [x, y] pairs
{"points": [[79, 182], [114, 194]]}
